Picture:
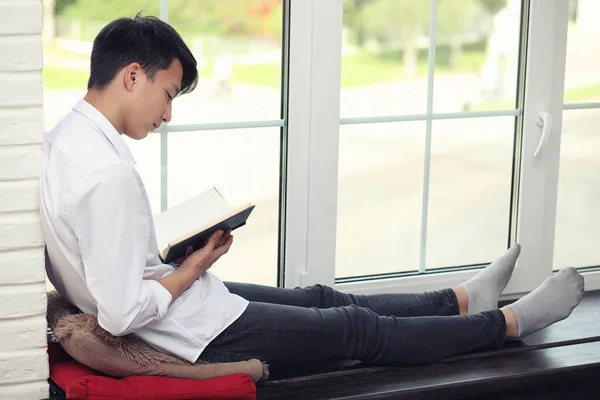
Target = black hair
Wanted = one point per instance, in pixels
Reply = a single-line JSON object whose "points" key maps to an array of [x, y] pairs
{"points": [[152, 43]]}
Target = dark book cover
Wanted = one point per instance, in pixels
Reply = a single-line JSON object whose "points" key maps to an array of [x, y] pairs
{"points": [[197, 241]]}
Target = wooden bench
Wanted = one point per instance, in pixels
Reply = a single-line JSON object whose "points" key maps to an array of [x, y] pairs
{"points": [[562, 362]]}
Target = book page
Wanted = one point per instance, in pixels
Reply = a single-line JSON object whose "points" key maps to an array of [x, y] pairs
{"points": [[189, 216]]}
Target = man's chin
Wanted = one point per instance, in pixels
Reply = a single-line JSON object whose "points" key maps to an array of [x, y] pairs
{"points": [[137, 135]]}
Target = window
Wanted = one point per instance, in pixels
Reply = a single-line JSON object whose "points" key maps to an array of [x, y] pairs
{"points": [[227, 133], [390, 145], [445, 185], [435, 193], [440, 161]]}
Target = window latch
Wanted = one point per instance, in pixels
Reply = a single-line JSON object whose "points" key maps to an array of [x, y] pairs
{"points": [[544, 121]]}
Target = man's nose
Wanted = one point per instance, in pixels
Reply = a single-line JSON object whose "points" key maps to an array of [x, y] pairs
{"points": [[166, 117]]}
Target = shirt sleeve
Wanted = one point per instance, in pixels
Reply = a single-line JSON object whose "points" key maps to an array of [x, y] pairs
{"points": [[109, 218]]}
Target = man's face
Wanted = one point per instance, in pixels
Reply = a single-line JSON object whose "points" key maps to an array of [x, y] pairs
{"points": [[151, 100]]}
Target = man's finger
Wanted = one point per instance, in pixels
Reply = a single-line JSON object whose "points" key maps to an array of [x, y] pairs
{"points": [[215, 238], [225, 247], [226, 235]]}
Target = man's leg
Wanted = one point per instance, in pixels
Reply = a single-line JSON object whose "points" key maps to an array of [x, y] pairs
{"points": [[285, 336], [478, 294], [442, 302], [281, 334]]}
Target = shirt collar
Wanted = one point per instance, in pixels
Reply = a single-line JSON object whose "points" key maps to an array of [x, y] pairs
{"points": [[107, 129]]}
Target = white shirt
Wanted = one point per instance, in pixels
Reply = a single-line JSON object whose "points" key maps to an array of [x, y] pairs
{"points": [[102, 248]]}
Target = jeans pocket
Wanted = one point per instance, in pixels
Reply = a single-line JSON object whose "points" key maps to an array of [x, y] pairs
{"points": [[216, 356]]}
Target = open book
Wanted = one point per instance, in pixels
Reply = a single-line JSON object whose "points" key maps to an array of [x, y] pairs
{"points": [[192, 222]]}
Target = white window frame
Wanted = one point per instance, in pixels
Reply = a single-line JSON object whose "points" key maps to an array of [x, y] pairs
{"points": [[313, 131], [539, 179], [313, 137]]}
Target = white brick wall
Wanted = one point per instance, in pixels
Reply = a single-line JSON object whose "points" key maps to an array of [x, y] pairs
{"points": [[23, 358]]}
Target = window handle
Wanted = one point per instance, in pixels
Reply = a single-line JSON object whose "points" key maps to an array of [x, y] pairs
{"points": [[544, 121]]}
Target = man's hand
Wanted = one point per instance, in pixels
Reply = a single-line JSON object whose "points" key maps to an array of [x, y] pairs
{"points": [[190, 249], [202, 259], [196, 263]]}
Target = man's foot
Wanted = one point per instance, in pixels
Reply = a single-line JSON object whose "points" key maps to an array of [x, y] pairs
{"points": [[484, 289], [552, 301]]}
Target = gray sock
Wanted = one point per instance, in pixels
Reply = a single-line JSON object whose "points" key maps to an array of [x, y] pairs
{"points": [[485, 288], [552, 301]]}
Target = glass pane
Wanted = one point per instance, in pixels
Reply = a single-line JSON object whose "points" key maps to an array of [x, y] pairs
{"points": [[384, 57], [470, 190], [577, 213], [237, 44], [582, 81], [379, 200], [238, 47], [69, 28], [243, 165], [477, 55]]}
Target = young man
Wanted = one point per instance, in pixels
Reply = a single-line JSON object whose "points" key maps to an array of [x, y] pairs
{"points": [[102, 248]]}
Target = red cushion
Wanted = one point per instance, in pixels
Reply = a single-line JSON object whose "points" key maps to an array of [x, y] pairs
{"points": [[81, 382]]}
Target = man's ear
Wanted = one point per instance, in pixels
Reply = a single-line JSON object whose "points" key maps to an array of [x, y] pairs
{"points": [[131, 75]]}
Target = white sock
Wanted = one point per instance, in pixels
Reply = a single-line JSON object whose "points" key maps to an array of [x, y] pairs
{"points": [[484, 289], [552, 301]]}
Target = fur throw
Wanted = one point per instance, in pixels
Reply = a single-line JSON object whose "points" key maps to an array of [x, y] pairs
{"points": [[82, 338]]}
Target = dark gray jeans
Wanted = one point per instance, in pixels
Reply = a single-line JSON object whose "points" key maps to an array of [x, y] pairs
{"points": [[316, 324]]}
